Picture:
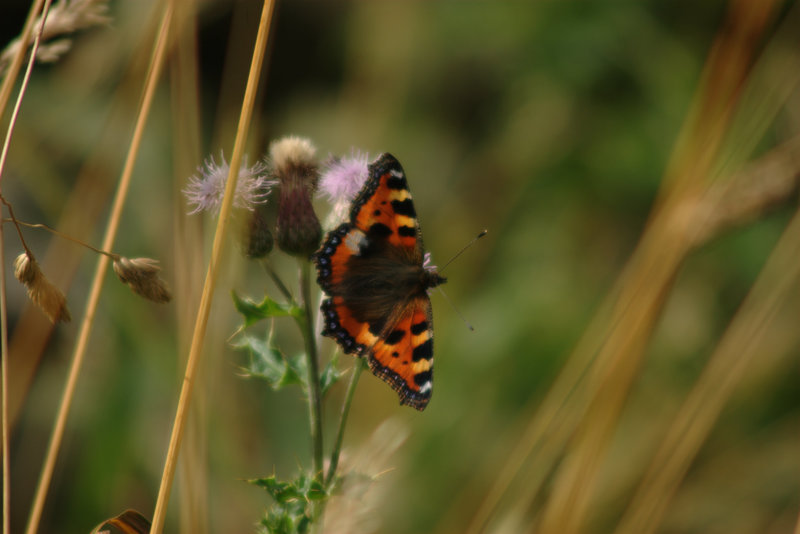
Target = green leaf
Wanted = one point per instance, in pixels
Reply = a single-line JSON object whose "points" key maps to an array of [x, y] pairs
{"points": [[316, 491], [299, 365], [254, 312], [278, 521], [330, 375], [268, 363], [282, 492]]}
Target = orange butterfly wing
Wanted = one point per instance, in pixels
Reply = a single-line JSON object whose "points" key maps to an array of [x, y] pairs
{"points": [[371, 267]]}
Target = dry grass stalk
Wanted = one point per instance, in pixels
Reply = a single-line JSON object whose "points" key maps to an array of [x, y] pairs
{"points": [[54, 445], [40, 290], [65, 17], [737, 349], [220, 234], [654, 266], [593, 387], [763, 185], [141, 275]]}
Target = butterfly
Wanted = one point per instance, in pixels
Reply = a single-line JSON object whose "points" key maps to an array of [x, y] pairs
{"points": [[372, 270]]}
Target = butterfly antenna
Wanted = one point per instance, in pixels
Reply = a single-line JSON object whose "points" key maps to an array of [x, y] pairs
{"points": [[460, 252], [450, 302]]}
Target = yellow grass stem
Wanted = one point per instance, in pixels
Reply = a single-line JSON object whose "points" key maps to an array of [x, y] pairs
{"points": [[188, 260], [4, 385], [5, 93], [156, 64], [739, 346], [213, 270]]}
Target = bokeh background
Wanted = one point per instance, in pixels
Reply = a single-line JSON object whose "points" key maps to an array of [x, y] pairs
{"points": [[551, 124]]}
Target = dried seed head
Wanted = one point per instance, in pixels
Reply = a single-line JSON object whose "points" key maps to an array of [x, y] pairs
{"points": [[141, 275], [40, 290], [292, 162]]}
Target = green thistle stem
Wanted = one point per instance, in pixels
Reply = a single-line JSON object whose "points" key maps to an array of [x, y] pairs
{"points": [[360, 365], [314, 391]]}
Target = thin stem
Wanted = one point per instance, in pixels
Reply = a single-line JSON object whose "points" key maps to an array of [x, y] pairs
{"points": [[17, 224], [277, 279], [220, 236], [5, 94], [53, 231], [99, 275], [314, 391], [360, 365], [4, 380]]}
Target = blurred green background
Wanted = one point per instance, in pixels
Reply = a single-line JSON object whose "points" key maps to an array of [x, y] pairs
{"points": [[548, 123]]}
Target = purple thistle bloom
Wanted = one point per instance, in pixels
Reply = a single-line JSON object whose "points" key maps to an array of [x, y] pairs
{"points": [[343, 178], [205, 189]]}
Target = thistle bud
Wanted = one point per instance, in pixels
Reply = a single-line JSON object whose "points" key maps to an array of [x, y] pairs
{"points": [[298, 228], [258, 240]]}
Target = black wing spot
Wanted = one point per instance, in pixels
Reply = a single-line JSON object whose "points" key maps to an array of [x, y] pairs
{"points": [[394, 182], [406, 231], [376, 212], [423, 378], [395, 337], [419, 328], [423, 351], [380, 230], [404, 207]]}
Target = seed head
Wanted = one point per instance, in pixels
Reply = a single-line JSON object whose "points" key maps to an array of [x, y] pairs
{"points": [[141, 275], [40, 290]]}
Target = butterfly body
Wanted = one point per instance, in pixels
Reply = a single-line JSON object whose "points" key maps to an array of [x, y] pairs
{"points": [[372, 269]]}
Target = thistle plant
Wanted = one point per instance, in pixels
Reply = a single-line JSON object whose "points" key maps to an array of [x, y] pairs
{"points": [[294, 227]]}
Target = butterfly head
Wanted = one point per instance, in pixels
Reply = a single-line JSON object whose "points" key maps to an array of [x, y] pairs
{"points": [[431, 279]]}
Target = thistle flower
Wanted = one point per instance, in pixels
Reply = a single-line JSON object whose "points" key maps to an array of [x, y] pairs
{"points": [[205, 189], [40, 290], [342, 178], [141, 275], [298, 228]]}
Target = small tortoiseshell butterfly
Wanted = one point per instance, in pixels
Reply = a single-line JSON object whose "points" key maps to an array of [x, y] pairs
{"points": [[372, 270]]}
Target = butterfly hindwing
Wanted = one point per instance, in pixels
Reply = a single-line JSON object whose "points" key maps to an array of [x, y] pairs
{"points": [[404, 357], [371, 268]]}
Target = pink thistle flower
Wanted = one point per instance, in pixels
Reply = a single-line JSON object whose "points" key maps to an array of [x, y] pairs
{"points": [[205, 189], [343, 178]]}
